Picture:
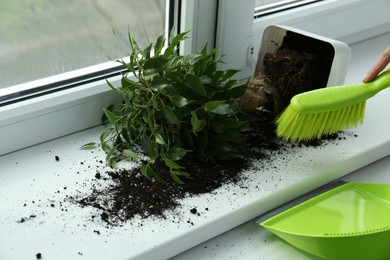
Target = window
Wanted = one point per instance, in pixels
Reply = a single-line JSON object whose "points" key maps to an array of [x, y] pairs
{"points": [[55, 59], [46, 38]]}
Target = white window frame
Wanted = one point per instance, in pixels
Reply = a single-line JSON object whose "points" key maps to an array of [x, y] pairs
{"points": [[54, 115]]}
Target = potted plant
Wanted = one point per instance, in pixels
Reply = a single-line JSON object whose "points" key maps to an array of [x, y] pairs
{"points": [[174, 107]]}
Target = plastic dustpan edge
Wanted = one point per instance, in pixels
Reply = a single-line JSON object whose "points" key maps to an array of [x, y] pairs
{"points": [[372, 243]]}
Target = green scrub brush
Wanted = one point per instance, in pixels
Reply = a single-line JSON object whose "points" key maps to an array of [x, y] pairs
{"points": [[327, 110]]}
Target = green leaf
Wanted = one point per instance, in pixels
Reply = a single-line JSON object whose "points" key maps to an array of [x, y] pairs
{"points": [[112, 107], [178, 38], [177, 153], [149, 173], [148, 146], [218, 107], [155, 65], [111, 86], [146, 51], [168, 51], [133, 132], [155, 103], [171, 116], [234, 89], [197, 125], [129, 154], [130, 66], [110, 158], [159, 83], [203, 51], [176, 178], [144, 171], [159, 139], [210, 67], [172, 165], [218, 76], [104, 136], [206, 80], [133, 43], [180, 101], [148, 118], [106, 148], [111, 161], [175, 62], [112, 118], [126, 82], [159, 45], [196, 84], [229, 73], [182, 173], [125, 135], [89, 146]]}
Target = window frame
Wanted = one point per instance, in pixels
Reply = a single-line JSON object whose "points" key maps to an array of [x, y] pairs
{"points": [[227, 25]]}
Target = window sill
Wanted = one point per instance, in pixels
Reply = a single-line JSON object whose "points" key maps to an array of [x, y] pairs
{"points": [[31, 180]]}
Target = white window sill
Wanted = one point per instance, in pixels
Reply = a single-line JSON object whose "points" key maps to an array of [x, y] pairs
{"points": [[33, 177]]}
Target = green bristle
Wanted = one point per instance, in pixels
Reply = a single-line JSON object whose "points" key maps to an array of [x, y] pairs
{"points": [[294, 126], [327, 110]]}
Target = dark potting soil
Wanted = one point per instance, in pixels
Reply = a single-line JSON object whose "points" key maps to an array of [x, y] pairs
{"points": [[287, 72], [131, 194]]}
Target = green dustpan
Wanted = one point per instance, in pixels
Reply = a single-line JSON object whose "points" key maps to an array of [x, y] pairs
{"points": [[351, 221]]}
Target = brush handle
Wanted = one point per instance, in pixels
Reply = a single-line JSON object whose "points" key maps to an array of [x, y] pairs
{"points": [[338, 97], [381, 82]]}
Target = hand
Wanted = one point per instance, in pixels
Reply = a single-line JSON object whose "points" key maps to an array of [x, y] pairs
{"points": [[378, 66]]}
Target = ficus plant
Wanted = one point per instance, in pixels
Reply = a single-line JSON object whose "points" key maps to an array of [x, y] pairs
{"points": [[174, 107]]}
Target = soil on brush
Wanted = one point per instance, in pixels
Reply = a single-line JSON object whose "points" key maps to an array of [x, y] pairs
{"points": [[288, 72]]}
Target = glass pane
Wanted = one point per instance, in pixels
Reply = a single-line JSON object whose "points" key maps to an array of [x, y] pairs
{"points": [[264, 7], [41, 38]]}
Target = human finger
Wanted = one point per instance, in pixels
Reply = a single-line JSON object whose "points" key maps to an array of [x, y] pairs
{"points": [[378, 66]]}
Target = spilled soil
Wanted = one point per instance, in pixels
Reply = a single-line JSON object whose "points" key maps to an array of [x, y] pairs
{"points": [[132, 194], [292, 69]]}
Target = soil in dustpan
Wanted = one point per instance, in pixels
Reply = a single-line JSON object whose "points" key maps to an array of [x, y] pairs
{"points": [[292, 69]]}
